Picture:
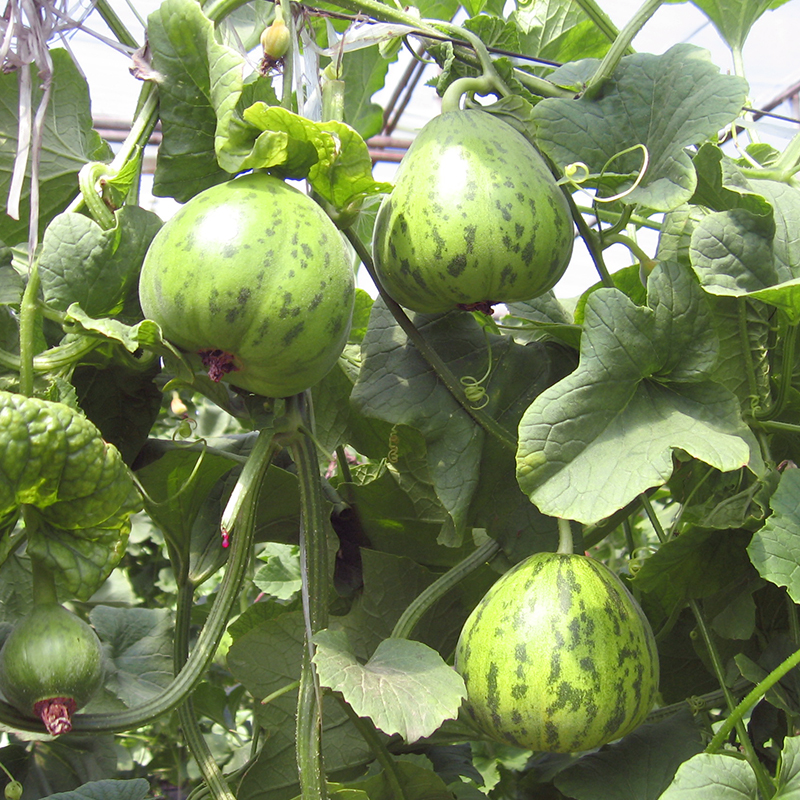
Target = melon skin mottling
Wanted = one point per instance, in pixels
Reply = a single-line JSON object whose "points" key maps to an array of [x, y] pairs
{"points": [[256, 269], [475, 218], [558, 656]]}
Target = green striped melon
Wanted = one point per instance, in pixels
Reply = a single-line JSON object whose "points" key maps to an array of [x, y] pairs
{"points": [[558, 656], [475, 218], [253, 277]]}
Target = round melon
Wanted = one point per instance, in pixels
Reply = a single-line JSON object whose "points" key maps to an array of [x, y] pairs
{"points": [[558, 656], [475, 218], [253, 277], [51, 665]]}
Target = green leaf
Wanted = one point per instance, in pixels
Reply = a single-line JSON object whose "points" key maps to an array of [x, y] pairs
{"points": [[405, 687], [82, 263], [180, 38], [280, 576], [698, 563], [139, 645], [734, 18], [332, 155], [53, 458], [558, 31], [364, 73], [596, 439], [122, 402], [416, 781], [788, 778], [774, 549], [718, 776], [639, 767], [68, 143], [397, 385], [135, 789], [666, 103]]}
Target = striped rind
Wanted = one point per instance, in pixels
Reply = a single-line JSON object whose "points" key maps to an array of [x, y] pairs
{"points": [[254, 268], [475, 216], [558, 656]]}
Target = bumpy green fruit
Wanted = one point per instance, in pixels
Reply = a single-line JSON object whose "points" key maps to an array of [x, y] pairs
{"points": [[475, 218], [558, 656], [253, 276], [51, 665]]}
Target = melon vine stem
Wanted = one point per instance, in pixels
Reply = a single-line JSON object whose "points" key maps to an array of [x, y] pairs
{"points": [[486, 421], [186, 714], [619, 48], [314, 569], [443, 584]]}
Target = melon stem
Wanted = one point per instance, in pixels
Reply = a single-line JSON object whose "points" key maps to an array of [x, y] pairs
{"points": [[565, 546]]}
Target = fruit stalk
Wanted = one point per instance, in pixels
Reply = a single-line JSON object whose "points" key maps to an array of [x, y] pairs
{"points": [[411, 616]]}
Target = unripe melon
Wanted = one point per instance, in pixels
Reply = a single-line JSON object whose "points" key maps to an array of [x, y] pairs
{"points": [[475, 218], [558, 656], [252, 276]]}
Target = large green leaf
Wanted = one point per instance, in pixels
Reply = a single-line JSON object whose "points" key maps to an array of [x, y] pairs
{"points": [[734, 18], [718, 776], [639, 767], [139, 646], [665, 103], [53, 459], [607, 432], [82, 263], [397, 385], [748, 245], [267, 659], [68, 143], [405, 687], [135, 789], [558, 31], [178, 33]]}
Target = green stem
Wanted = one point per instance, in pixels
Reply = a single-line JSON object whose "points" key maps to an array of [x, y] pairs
{"points": [[443, 584], [490, 81], [287, 91], [451, 99], [28, 317], [44, 582], [619, 48], [750, 700], [747, 355], [565, 544], [55, 358], [741, 731], [600, 19], [187, 717], [315, 591], [590, 239], [383, 756], [782, 427], [486, 421], [788, 335], [615, 216], [636, 250], [115, 24]]}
